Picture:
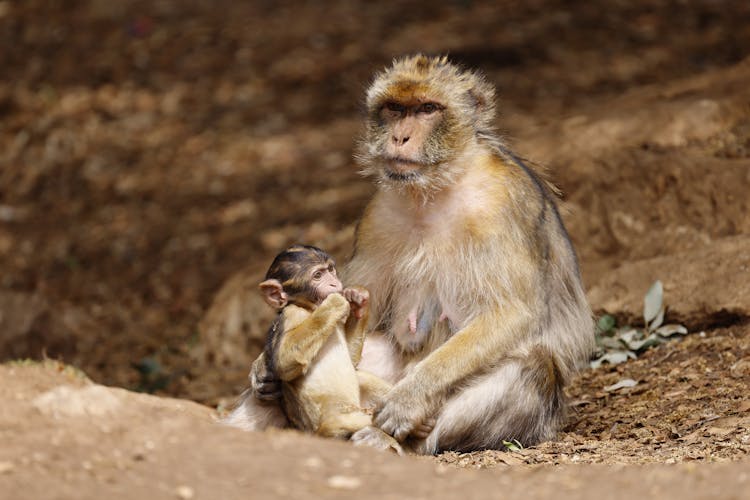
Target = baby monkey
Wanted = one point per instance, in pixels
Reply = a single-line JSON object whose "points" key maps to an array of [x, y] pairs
{"points": [[314, 345]]}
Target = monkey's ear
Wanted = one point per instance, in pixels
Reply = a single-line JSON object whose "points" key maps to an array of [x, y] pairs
{"points": [[273, 293], [482, 98], [477, 98]]}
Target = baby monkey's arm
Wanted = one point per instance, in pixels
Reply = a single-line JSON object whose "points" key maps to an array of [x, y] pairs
{"points": [[356, 324], [305, 333]]}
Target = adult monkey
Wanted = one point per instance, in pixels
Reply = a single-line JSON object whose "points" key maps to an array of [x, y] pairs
{"points": [[477, 304]]}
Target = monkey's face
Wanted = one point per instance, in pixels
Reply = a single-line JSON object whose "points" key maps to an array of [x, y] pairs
{"points": [[408, 140], [409, 130], [301, 275], [423, 114], [324, 281]]}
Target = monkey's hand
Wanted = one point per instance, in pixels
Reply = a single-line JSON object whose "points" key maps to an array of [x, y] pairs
{"points": [[358, 299], [404, 410], [266, 386]]}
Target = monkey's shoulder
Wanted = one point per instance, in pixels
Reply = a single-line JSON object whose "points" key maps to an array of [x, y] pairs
{"points": [[292, 316], [523, 177]]}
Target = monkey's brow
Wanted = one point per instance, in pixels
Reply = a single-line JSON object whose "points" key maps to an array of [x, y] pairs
{"points": [[322, 267], [405, 103]]}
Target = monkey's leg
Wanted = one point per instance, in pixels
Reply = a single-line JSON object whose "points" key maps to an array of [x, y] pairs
{"points": [[522, 399], [253, 415], [357, 427], [343, 425], [381, 358], [372, 389]]}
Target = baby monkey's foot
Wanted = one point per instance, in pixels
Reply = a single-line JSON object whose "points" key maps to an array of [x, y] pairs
{"points": [[423, 430], [375, 438]]}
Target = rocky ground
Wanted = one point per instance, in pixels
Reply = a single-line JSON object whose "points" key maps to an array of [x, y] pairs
{"points": [[155, 155]]}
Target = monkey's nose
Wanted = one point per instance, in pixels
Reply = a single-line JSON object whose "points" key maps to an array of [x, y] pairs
{"points": [[401, 141]]}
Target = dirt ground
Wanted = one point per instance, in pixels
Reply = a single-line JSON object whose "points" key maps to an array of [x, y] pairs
{"points": [[155, 155], [64, 438]]}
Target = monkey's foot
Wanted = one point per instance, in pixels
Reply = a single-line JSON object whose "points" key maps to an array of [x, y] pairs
{"points": [[423, 430], [375, 438]]}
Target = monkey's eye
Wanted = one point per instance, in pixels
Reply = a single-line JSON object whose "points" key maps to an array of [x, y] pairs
{"points": [[317, 275], [331, 269], [428, 108], [395, 107]]}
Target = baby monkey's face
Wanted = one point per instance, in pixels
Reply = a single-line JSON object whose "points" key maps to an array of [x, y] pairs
{"points": [[325, 281], [301, 275]]}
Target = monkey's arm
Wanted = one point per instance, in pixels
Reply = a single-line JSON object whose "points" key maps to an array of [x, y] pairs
{"points": [[485, 340], [356, 324], [306, 334]]}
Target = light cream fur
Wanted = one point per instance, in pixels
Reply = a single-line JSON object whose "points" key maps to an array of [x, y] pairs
{"points": [[480, 235], [314, 356]]}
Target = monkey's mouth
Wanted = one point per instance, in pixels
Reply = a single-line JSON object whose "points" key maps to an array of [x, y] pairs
{"points": [[402, 169], [401, 177]]}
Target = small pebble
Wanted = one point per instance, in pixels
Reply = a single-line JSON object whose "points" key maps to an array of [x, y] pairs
{"points": [[344, 482], [185, 492], [314, 462]]}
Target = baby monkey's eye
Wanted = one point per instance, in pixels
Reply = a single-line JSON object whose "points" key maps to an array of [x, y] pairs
{"points": [[317, 275], [331, 269]]}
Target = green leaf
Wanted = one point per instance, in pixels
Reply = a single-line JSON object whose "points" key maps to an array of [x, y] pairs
{"points": [[606, 323], [613, 358], [656, 323], [622, 384], [608, 342], [652, 302], [642, 344], [514, 445], [671, 329], [629, 336]]}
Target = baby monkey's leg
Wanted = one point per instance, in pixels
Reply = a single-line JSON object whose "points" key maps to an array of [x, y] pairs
{"points": [[423, 430], [372, 389], [357, 426], [372, 392], [343, 425]]}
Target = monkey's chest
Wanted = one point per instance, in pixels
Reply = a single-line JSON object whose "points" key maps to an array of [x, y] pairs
{"points": [[332, 376], [437, 288]]}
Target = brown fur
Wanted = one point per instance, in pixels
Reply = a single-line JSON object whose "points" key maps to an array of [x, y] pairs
{"points": [[470, 227], [476, 230]]}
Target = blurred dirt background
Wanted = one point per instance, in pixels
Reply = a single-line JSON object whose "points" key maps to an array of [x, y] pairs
{"points": [[155, 155]]}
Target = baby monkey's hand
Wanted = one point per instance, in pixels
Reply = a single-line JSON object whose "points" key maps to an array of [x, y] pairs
{"points": [[358, 299]]}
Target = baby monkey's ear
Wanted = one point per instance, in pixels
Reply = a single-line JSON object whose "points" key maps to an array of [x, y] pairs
{"points": [[273, 293]]}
